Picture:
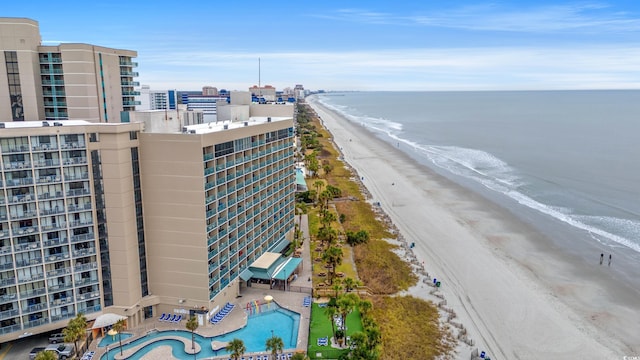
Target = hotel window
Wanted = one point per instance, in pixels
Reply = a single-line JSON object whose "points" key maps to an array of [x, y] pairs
{"points": [[13, 80], [133, 135]]}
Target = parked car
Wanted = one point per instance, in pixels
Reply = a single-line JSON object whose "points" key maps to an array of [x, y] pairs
{"points": [[64, 351], [34, 352], [56, 338]]}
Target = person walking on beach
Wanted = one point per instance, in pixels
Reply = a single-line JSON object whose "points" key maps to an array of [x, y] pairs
{"points": [[601, 258], [609, 260]]}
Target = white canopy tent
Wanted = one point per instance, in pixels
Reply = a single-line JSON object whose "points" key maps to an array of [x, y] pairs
{"points": [[106, 320]]}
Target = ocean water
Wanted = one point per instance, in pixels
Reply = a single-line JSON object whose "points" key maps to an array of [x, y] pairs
{"points": [[571, 156]]}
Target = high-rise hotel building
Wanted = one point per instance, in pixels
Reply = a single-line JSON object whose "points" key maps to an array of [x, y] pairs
{"points": [[67, 81], [100, 217]]}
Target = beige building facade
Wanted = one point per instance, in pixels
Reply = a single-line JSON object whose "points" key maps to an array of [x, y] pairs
{"points": [[68, 81], [107, 218]]}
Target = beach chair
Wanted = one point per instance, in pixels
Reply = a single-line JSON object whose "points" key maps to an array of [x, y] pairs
{"points": [[163, 317], [306, 302], [178, 319]]}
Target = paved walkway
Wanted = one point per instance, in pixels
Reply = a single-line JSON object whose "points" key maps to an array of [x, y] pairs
{"points": [[237, 318]]}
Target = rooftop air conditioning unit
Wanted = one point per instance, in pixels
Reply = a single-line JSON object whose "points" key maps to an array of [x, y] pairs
{"points": [[44, 123], [246, 123], [192, 131], [225, 126], [57, 124], [1, 125], [184, 129], [269, 119]]}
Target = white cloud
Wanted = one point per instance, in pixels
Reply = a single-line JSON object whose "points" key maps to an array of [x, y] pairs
{"points": [[425, 69], [587, 18]]}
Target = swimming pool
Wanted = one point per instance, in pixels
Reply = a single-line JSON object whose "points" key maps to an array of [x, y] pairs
{"points": [[108, 340], [282, 322]]}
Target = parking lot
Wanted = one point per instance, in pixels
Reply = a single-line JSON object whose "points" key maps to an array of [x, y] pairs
{"points": [[19, 349]]}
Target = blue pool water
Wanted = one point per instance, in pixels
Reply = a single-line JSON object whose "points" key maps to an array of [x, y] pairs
{"points": [[282, 322], [300, 178], [108, 340]]}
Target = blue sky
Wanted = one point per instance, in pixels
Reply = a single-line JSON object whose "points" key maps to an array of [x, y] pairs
{"points": [[358, 45]]}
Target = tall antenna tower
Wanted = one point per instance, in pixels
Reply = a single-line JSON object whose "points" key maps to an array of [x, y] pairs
{"points": [[259, 85]]}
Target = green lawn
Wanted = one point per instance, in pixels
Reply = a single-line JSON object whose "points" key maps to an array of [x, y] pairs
{"points": [[320, 327]]}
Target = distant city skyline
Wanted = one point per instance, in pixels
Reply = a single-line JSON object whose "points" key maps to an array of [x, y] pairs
{"points": [[373, 45]]}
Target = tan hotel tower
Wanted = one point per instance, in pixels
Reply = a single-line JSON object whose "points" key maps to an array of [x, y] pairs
{"points": [[100, 217]]}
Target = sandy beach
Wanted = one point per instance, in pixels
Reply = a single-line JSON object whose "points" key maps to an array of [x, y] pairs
{"points": [[518, 295]]}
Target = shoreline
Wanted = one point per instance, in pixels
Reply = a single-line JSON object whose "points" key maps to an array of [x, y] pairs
{"points": [[517, 293]]}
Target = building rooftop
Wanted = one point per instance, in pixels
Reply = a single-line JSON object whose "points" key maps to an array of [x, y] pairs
{"points": [[226, 125], [39, 124]]}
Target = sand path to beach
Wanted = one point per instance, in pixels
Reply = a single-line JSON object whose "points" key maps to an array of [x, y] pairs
{"points": [[504, 281]]}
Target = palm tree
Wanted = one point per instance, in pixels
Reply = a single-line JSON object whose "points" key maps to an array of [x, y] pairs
{"points": [[76, 330], [346, 303], [275, 345], [365, 307], [327, 217], [351, 283], [192, 325], [299, 356], [237, 348], [326, 235], [331, 311], [333, 257], [119, 327], [336, 288], [318, 184], [46, 355]]}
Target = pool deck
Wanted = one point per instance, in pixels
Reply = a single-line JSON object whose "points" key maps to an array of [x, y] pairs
{"points": [[236, 319]]}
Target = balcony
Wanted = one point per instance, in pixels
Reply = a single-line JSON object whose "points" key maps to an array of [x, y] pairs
{"points": [[7, 281], [50, 59], [85, 267], [32, 293], [129, 73], [46, 163], [82, 237], [8, 298], [58, 93], [84, 252], [48, 71], [50, 82], [34, 308], [36, 322], [53, 115], [58, 272], [26, 246], [54, 242], [58, 104], [20, 181], [128, 63]]}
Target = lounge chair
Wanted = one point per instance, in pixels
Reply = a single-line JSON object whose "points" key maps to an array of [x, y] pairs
{"points": [[306, 302], [178, 319], [163, 317]]}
